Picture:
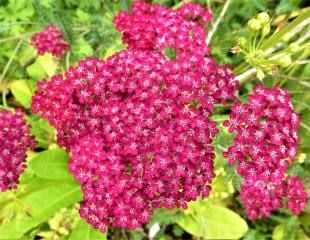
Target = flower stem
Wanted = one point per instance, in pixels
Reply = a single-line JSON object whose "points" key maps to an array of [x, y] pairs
{"points": [[218, 20], [6, 68], [21, 36], [4, 97]]}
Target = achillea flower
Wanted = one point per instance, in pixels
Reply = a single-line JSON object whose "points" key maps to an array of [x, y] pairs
{"points": [[50, 40], [154, 27], [159, 147], [15, 139], [266, 143], [138, 123], [261, 197]]}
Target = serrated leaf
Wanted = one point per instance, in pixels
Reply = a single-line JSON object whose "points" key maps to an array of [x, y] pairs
{"points": [[51, 164], [212, 222], [82, 16], [86, 232]]}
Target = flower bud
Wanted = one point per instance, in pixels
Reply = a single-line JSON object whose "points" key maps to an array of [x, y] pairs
{"points": [[293, 47], [263, 18], [241, 41], [266, 30], [285, 61], [260, 74], [254, 25]]}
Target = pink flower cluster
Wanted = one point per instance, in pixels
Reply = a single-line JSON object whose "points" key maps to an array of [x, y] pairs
{"points": [[265, 144], [50, 40], [138, 123], [15, 139], [154, 27]]}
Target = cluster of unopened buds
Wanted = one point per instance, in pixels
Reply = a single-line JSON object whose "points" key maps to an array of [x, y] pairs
{"points": [[265, 144], [262, 60], [50, 40], [139, 129], [15, 139]]}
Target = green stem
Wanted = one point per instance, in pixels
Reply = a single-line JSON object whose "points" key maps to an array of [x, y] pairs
{"points": [[240, 68], [4, 97], [20, 23], [68, 60], [218, 21], [21, 36], [254, 41], [6, 68]]}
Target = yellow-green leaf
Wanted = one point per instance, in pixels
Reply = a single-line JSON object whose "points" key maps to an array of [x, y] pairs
{"points": [[210, 221], [22, 92]]}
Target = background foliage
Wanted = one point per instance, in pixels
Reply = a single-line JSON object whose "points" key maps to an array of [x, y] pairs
{"points": [[44, 206]]}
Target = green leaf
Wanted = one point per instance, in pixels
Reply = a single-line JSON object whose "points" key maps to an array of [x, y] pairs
{"points": [[43, 66], [51, 164], [48, 64], [42, 205], [86, 232], [22, 92], [278, 232], [212, 222], [82, 16], [81, 48], [35, 71], [43, 132]]}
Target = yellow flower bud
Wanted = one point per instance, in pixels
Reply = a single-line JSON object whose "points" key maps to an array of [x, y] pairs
{"points": [[254, 25], [263, 18], [266, 30], [241, 41], [260, 74]]}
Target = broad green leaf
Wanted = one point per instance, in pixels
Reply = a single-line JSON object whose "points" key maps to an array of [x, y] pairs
{"points": [[48, 64], [51, 164], [86, 232], [278, 232], [35, 71], [210, 221], [22, 92], [42, 205], [44, 66]]}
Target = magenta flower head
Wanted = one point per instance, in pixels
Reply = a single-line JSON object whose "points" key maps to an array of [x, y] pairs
{"points": [[266, 143], [261, 197], [154, 27], [133, 147], [15, 140], [50, 40], [138, 124]]}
